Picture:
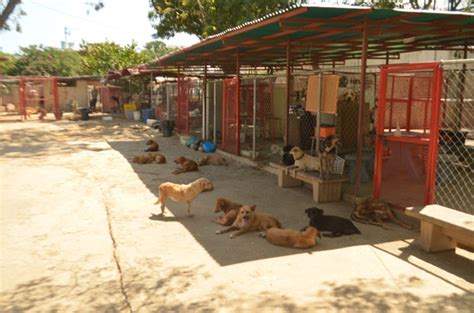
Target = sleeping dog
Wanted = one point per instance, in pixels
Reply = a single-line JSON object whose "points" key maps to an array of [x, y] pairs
{"points": [[330, 225]]}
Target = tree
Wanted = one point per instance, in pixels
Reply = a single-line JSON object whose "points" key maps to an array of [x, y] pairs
{"points": [[8, 14], [46, 61], [7, 62], [206, 17], [101, 58]]}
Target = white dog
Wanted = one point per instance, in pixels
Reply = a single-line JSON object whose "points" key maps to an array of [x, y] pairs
{"points": [[303, 161]]}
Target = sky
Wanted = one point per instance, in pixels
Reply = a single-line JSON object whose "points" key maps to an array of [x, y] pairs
{"points": [[120, 21]]}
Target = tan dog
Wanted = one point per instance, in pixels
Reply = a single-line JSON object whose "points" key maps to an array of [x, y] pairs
{"points": [[292, 238], [303, 161], [187, 165], [374, 212], [184, 192], [150, 157], [248, 220], [152, 145], [212, 160], [230, 209]]}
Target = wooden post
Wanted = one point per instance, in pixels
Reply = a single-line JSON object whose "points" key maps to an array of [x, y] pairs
{"points": [[360, 119], [205, 109]]}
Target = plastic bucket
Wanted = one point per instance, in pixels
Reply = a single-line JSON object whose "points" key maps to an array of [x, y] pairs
{"points": [[84, 113], [136, 115], [147, 113]]}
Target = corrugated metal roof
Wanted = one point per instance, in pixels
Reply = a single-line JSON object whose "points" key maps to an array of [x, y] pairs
{"points": [[328, 33]]}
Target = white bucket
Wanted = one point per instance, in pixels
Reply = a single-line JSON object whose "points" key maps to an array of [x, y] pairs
{"points": [[136, 115]]}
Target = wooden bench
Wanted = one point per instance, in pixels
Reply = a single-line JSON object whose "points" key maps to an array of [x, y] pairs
{"points": [[443, 228], [324, 190]]}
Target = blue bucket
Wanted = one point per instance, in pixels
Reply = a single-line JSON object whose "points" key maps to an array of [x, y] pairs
{"points": [[147, 113]]}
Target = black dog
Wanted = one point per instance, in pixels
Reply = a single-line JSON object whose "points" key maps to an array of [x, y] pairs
{"points": [[287, 158], [335, 226]]}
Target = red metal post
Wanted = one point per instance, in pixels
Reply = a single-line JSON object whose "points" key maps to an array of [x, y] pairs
{"points": [[377, 179], [360, 119], [237, 96], [288, 89], [409, 103], [22, 107], [57, 114], [391, 104], [224, 108], [178, 102], [434, 134], [188, 92]]}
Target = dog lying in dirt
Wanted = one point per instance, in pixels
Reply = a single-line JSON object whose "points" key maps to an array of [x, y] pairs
{"points": [[150, 157], [183, 192], [152, 145], [303, 161], [327, 156], [375, 212], [248, 220], [230, 209], [330, 225], [291, 238], [214, 159], [187, 165]]}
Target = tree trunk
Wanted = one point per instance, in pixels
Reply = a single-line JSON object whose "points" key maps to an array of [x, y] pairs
{"points": [[7, 11]]}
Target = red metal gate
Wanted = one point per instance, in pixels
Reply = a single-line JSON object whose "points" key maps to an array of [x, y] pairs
{"points": [[407, 134], [39, 95], [231, 116], [182, 120]]}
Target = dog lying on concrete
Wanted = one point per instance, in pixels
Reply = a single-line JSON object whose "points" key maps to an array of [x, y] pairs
{"points": [[182, 192], [230, 209], [213, 159], [330, 225], [150, 157], [291, 238], [375, 212], [303, 161], [248, 220], [187, 165], [152, 145]]}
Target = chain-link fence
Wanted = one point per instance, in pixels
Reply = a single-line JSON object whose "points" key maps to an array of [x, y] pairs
{"points": [[195, 108], [455, 162], [9, 99]]}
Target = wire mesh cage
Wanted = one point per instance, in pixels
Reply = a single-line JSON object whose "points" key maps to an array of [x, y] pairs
{"points": [[455, 159]]}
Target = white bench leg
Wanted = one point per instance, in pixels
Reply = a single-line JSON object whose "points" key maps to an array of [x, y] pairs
{"points": [[433, 240]]}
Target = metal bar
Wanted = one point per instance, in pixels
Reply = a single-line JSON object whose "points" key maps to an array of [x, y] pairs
{"points": [[57, 113], [254, 121], [288, 90], [167, 86], [238, 101], [208, 114], [409, 103], [224, 111], [434, 134], [318, 118], [22, 99], [214, 135], [460, 61], [178, 101], [360, 119], [204, 105]]}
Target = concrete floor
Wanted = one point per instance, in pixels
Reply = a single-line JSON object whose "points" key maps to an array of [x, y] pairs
{"points": [[78, 235]]}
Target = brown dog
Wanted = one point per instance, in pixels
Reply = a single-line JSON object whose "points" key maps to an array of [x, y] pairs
{"points": [[230, 209], [212, 160], [185, 192], [374, 212], [187, 165], [248, 220], [292, 238], [150, 157], [152, 145]]}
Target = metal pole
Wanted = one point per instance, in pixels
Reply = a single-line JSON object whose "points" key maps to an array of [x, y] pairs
{"points": [[204, 104], [237, 96], [360, 118], [318, 117], [151, 90], [288, 90], [254, 131], [215, 114], [207, 111], [167, 88]]}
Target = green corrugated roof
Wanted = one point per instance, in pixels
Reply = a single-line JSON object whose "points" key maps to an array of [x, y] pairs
{"points": [[328, 33]]}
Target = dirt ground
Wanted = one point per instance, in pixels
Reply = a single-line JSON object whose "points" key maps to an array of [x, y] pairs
{"points": [[78, 235]]}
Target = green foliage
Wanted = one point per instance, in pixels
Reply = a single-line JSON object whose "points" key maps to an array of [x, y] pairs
{"points": [[206, 17], [7, 62], [101, 58], [46, 61]]}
